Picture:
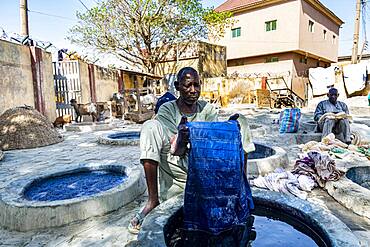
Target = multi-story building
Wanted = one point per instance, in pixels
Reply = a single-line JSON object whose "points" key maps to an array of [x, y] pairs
{"points": [[280, 37]]}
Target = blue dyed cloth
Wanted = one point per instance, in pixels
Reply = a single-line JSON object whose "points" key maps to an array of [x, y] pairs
{"points": [[217, 193], [289, 120], [163, 99]]}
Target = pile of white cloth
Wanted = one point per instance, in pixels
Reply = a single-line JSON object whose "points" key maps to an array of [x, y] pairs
{"points": [[355, 77], [285, 182], [321, 79], [311, 171]]}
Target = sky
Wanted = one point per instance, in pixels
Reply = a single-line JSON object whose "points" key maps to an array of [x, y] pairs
{"points": [[50, 20]]}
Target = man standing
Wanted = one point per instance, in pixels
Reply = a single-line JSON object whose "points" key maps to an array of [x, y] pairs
{"points": [[332, 117]]}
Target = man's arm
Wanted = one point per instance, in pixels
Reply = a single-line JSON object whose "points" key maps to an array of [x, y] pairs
{"points": [[319, 112], [167, 117], [345, 108], [248, 145]]}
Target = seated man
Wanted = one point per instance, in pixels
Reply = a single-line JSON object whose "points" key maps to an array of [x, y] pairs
{"points": [[155, 142], [332, 117]]}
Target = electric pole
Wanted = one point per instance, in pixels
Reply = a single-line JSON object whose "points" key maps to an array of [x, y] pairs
{"points": [[23, 10], [356, 33]]}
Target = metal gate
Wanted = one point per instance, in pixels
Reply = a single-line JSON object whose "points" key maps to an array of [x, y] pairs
{"points": [[67, 85]]}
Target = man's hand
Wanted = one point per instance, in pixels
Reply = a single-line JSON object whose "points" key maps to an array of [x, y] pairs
{"points": [[179, 143], [234, 117]]}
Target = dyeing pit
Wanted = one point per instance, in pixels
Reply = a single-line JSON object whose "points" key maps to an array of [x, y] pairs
{"points": [[73, 185], [121, 138], [61, 197], [89, 126], [265, 159], [360, 175], [267, 230], [257, 130], [286, 221], [353, 190], [308, 126]]}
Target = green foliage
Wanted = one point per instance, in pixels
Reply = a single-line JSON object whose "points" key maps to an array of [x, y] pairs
{"points": [[143, 32]]}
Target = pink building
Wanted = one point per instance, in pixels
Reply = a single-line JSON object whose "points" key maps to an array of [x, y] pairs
{"points": [[284, 37]]}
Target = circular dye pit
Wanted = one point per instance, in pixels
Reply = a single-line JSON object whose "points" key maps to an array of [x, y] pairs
{"points": [[59, 197], [262, 151], [279, 220], [360, 175], [257, 130], [121, 138], [73, 185], [308, 126], [265, 159], [89, 126], [267, 228], [353, 190]]}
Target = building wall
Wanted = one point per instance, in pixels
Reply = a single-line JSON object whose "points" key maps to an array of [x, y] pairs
{"points": [[85, 84], [212, 60], [255, 41], [302, 64], [258, 65], [130, 78], [16, 76], [208, 59], [106, 83], [314, 42], [171, 67], [48, 90], [16, 82]]}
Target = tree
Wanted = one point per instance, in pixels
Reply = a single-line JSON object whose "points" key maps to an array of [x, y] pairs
{"points": [[144, 32]]}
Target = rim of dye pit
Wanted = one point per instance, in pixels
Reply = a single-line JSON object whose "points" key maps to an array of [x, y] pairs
{"points": [[89, 126], [123, 138], [18, 213], [350, 194], [331, 229], [268, 225], [360, 175], [277, 157], [257, 130]]}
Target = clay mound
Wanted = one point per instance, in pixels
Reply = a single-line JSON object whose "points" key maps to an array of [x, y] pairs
{"points": [[24, 127]]}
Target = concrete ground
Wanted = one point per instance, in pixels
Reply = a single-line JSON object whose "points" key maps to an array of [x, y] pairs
{"points": [[111, 229]]}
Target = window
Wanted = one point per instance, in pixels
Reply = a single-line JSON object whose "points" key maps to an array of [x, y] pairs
{"points": [[324, 34], [310, 26], [272, 59], [235, 32], [270, 25], [334, 41]]}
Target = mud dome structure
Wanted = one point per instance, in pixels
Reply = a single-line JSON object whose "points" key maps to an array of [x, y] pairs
{"points": [[24, 127]]}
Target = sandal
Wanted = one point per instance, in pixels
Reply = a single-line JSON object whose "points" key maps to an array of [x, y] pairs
{"points": [[136, 229]]}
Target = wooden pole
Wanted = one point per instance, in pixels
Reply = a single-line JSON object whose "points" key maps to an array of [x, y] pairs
{"points": [[23, 11], [356, 32]]}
